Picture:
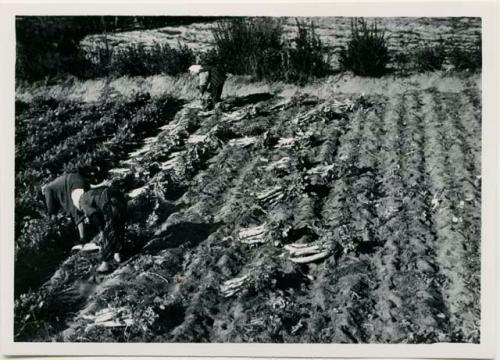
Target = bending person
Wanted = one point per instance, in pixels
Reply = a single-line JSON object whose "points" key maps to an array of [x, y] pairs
{"points": [[104, 209]]}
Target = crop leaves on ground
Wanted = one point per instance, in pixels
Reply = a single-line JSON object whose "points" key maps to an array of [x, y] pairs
{"points": [[116, 124], [373, 180]]}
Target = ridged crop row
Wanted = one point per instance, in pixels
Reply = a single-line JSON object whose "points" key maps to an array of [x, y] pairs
{"points": [[423, 306], [388, 185], [386, 261], [457, 218], [36, 133], [345, 282]]}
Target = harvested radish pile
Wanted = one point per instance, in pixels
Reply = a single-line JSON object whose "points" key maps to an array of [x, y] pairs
{"points": [[352, 220]]}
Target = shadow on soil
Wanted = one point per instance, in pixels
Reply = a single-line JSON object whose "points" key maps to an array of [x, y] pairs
{"points": [[188, 234], [249, 99], [368, 247], [31, 270]]}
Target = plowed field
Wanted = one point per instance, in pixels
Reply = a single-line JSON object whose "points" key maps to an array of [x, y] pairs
{"points": [[350, 220]]}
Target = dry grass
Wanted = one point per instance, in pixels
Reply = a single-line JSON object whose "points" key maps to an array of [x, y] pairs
{"points": [[185, 86], [96, 90]]}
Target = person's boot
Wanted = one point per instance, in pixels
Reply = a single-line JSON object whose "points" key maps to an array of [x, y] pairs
{"points": [[103, 268]]}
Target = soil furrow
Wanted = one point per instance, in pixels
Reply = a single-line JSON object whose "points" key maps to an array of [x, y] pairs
{"points": [[388, 260], [345, 284], [442, 155], [431, 315], [465, 224], [344, 221]]}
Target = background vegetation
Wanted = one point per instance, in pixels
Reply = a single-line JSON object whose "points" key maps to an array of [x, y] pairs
{"points": [[49, 48], [258, 47], [138, 60], [366, 53]]}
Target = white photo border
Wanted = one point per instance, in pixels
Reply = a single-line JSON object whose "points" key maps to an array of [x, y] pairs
{"points": [[489, 162]]}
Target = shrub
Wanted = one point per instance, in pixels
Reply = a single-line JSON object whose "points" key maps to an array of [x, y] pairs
{"points": [[306, 58], [139, 60], [366, 53], [402, 62], [256, 47], [466, 59], [248, 46], [429, 58]]}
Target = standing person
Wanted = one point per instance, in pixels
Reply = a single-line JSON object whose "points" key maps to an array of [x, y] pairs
{"points": [[212, 77], [102, 207]]}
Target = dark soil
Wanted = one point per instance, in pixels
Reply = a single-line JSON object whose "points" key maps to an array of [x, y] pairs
{"points": [[393, 200]]}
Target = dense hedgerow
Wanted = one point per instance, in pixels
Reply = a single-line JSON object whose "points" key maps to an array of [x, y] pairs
{"points": [[49, 46], [257, 47], [139, 60], [366, 53]]}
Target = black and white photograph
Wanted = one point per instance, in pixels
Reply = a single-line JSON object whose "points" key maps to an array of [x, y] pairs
{"points": [[248, 179]]}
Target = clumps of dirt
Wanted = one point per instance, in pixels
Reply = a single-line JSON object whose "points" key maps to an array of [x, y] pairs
{"points": [[230, 263], [225, 132], [187, 154], [264, 310], [170, 315], [54, 236], [273, 273], [43, 313], [115, 312], [278, 221]]}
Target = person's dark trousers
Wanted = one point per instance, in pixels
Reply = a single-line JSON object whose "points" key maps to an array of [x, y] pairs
{"points": [[208, 103], [217, 93], [214, 97], [107, 212]]}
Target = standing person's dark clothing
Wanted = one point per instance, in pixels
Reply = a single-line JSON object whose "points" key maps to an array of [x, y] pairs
{"points": [[58, 195], [106, 210], [213, 83]]}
